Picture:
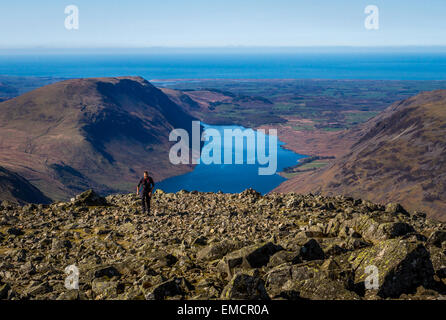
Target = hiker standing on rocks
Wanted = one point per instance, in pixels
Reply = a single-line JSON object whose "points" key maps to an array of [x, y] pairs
{"points": [[147, 186]]}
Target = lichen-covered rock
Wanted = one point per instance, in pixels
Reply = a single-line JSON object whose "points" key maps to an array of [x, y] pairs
{"points": [[438, 258], [396, 208], [311, 251], [218, 250], [283, 256], [171, 288], [106, 289], [164, 260], [437, 238], [401, 266], [4, 289], [72, 294], [37, 289], [319, 288], [376, 228], [90, 198], [254, 256], [244, 286], [108, 272], [59, 244], [392, 230], [312, 280], [277, 277]]}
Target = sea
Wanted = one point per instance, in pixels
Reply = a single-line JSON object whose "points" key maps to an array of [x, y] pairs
{"points": [[374, 66]]}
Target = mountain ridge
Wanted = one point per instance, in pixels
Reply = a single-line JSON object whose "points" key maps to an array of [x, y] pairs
{"points": [[399, 156], [95, 133], [15, 188]]}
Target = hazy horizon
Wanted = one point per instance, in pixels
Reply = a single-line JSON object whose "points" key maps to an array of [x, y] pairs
{"points": [[226, 49], [202, 23]]}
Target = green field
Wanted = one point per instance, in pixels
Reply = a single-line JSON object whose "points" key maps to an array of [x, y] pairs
{"points": [[305, 167], [332, 104]]}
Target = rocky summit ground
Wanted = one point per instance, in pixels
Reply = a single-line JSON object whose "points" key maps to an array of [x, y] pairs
{"points": [[221, 246]]}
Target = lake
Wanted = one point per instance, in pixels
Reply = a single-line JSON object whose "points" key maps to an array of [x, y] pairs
{"points": [[232, 178]]}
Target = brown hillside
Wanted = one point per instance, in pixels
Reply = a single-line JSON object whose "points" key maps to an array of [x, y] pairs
{"points": [[399, 157], [82, 133], [17, 189]]}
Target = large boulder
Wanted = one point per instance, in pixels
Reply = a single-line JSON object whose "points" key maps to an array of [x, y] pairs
{"points": [[106, 289], [320, 288], [245, 286], [437, 238], [218, 250], [438, 258], [255, 256], [396, 208], [392, 230], [108, 272], [373, 228], [401, 266], [282, 257], [311, 280], [278, 276], [90, 198], [311, 250], [34, 290], [171, 288], [4, 289], [164, 260]]}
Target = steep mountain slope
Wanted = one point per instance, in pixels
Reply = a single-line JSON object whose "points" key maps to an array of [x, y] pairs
{"points": [[100, 132], [400, 156], [17, 189]]}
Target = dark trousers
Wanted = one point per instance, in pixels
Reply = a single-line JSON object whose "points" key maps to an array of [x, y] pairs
{"points": [[145, 197]]}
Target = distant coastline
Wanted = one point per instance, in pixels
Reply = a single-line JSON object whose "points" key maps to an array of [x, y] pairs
{"points": [[360, 65]]}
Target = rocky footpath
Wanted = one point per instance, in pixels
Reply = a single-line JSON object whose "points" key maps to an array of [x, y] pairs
{"points": [[221, 246]]}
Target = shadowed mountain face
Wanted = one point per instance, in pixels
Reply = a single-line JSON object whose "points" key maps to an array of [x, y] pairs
{"points": [[83, 133], [15, 188], [400, 156]]}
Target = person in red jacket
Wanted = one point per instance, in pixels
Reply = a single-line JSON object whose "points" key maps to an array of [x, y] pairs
{"points": [[147, 184]]}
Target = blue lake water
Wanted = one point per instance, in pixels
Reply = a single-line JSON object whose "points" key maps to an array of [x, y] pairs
{"points": [[232, 178]]}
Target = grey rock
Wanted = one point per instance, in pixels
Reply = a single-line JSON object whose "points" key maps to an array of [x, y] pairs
{"points": [[245, 287], [311, 251]]}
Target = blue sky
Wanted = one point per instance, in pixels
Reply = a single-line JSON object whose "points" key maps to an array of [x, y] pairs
{"points": [[222, 23]]}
